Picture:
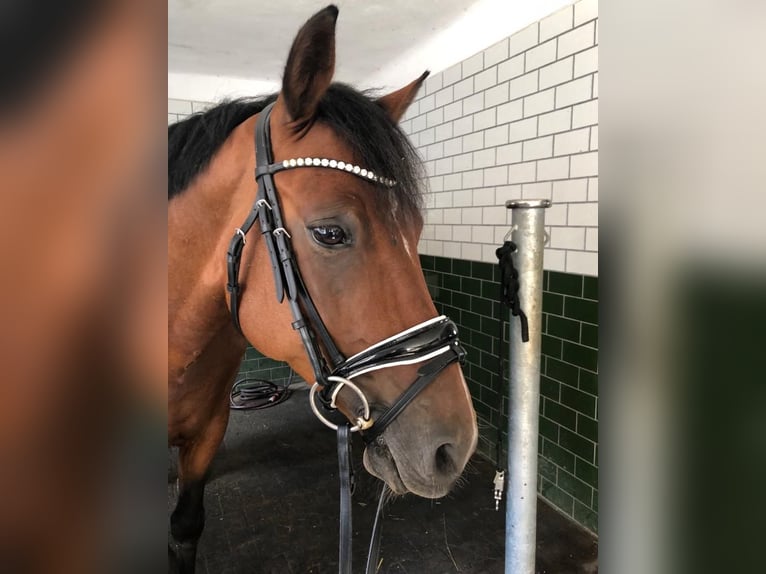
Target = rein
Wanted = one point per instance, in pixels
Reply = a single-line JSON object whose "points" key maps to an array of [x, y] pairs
{"points": [[433, 342]]}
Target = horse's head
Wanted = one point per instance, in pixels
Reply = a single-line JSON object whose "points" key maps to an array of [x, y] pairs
{"points": [[355, 243]]}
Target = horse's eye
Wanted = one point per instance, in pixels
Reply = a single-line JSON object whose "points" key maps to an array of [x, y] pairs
{"points": [[329, 235]]}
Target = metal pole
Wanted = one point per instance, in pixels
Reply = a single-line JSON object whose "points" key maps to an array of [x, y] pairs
{"points": [[528, 221]]}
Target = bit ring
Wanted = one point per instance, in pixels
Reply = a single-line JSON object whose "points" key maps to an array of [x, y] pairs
{"points": [[362, 423]]}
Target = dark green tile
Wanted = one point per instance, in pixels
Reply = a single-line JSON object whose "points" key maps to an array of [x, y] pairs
{"points": [[546, 277], [587, 427], [589, 335], [506, 367], [563, 328], [483, 376], [482, 341], [432, 292], [562, 372], [471, 320], [581, 356], [581, 309], [451, 282], [549, 429], [433, 279], [561, 414], [427, 262], [565, 283], [490, 290], [490, 362], [461, 267], [482, 306], [590, 288], [481, 270], [490, 397], [483, 448], [558, 455], [490, 326], [461, 300], [557, 497], [595, 501], [472, 353], [493, 420], [481, 409], [579, 401], [574, 486], [443, 296], [546, 469], [473, 386], [589, 382], [551, 346], [586, 472], [578, 445], [280, 372], [585, 516], [248, 365], [549, 388], [443, 264], [472, 286], [553, 303], [453, 312]]}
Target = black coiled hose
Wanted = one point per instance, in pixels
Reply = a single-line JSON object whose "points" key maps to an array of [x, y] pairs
{"points": [[253, 394]]}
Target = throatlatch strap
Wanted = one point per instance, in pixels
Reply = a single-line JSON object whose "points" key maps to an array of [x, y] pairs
{"points": [[509, 285], [346, 481]]}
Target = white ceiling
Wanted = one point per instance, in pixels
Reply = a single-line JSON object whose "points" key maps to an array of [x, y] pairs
{"points": [[235, 47]]}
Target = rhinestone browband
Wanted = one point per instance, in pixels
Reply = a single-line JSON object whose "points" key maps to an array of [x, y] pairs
{"points": [[339, 165]]}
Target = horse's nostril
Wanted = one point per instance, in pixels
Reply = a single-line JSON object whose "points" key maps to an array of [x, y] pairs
{"points": [[445, 462]]}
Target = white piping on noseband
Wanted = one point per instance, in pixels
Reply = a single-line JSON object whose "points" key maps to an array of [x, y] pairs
{"points": [[364, 422]]}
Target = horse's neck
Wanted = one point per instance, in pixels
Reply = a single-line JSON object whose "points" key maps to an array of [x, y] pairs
{"points": [[200, 223]]}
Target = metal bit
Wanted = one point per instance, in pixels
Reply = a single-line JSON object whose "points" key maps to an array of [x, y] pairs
{"points": [[499, 487]]}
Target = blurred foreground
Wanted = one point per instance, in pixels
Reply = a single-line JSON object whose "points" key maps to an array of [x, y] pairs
{"points": [[82, 291]]}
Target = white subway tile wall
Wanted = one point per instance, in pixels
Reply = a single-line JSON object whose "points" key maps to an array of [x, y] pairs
{"points": [[518, 120], [179, 109]]}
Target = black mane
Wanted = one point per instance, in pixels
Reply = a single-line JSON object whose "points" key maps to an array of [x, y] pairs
{"points": [[193, 141], [375, 140]]}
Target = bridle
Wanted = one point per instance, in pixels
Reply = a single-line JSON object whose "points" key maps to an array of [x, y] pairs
{"points": [[433, 342]]}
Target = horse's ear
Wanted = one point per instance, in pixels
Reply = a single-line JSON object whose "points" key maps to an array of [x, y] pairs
{"points": [[396, 103], [310, 66]]}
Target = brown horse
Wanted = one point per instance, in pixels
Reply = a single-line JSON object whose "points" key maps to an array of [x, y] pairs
{"points": [[354, 239]]}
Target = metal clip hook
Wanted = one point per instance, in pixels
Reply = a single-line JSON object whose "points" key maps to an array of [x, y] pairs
{"points": [[281, 230], [499, 487], [510, 232], [238, 231], [263, 202]]}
